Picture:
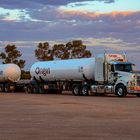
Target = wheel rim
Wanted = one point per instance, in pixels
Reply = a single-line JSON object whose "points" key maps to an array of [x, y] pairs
{"points": [[76, 91], [1, 88], [120, 92], [84, 91], [28, 90], [40, 90], [34, 90], [6, 89]]}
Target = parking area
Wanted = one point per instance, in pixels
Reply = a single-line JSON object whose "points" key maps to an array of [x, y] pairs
{"points": [[67, 117]]}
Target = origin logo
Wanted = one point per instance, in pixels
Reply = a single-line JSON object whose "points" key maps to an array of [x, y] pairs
{"points": [[42, 71]]}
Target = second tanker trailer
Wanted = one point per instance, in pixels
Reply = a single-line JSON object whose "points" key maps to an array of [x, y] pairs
{"points": [[107, 73], [9, 76]]}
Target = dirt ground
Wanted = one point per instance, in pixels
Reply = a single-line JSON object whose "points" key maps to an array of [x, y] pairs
{"points": [[67, 117]]}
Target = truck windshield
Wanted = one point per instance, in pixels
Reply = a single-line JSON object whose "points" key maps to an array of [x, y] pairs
{"points": [[123, 67]]}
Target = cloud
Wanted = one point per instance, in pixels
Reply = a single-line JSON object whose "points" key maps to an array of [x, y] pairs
{"points": [[18, 4], [67, 14], [52, 23], [110, 43], [58, 24], [95, 45]]}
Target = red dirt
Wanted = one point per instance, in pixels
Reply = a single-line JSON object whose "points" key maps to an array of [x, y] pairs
{"points": [[67, 117]]}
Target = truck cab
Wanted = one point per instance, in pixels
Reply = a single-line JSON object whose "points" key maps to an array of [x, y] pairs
{"points": [[118, 70], [117, 74], [124, 75]]}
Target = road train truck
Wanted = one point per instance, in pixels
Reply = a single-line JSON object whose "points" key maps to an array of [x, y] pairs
{"points": [[9, 76], [106, 73]]}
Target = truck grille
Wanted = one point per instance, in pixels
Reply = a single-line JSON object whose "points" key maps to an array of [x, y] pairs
{"points": [[138, 80]]}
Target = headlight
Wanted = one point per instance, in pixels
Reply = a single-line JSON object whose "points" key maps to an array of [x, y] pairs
{"points": [[133, 76]]}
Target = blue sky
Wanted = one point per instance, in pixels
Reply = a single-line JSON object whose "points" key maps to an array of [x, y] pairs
{"points": [[113, 25], [101, 6]]}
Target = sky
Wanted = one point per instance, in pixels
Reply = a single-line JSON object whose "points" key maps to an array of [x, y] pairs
{"points": [[111, 25]]}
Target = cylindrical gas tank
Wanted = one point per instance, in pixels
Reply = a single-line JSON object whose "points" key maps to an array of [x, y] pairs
{"points": [[72, 69], [9, 72]]}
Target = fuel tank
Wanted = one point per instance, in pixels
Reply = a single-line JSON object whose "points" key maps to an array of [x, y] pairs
{"points": [[71, 69], [9, 72]]}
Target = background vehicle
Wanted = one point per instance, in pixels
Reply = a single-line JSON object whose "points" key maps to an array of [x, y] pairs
{"points": [[105, 74]]}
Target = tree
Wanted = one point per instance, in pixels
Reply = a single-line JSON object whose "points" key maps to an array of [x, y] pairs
{"points": [[79, 50], [70, 50], [12, 55], [74, 49], [60, 51], [43, 52], [25, 74]]}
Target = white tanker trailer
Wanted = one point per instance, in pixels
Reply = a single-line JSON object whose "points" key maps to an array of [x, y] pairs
{"points": [[107, 73], [9, 76], [62, 70]]}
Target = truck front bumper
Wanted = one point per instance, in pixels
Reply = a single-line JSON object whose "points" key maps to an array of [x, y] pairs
{"points": [[135, 89]]}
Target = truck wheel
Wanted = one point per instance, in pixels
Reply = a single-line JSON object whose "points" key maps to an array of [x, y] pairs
{"points": [[7, 88], [120, 91], [85, 91], [28, 89], [41, 90], [76, 90], [35, 89], [138, 95], [1, 88], [59, 91]]}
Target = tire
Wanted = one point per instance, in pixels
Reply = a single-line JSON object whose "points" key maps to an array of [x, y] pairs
{"points": [[28, 89], [85, 90], [120, 91], [138, 95], [76, 90], [7, 88], [59, 91], [1, 88], [35, 89], [96, 94], [41, 90]]}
